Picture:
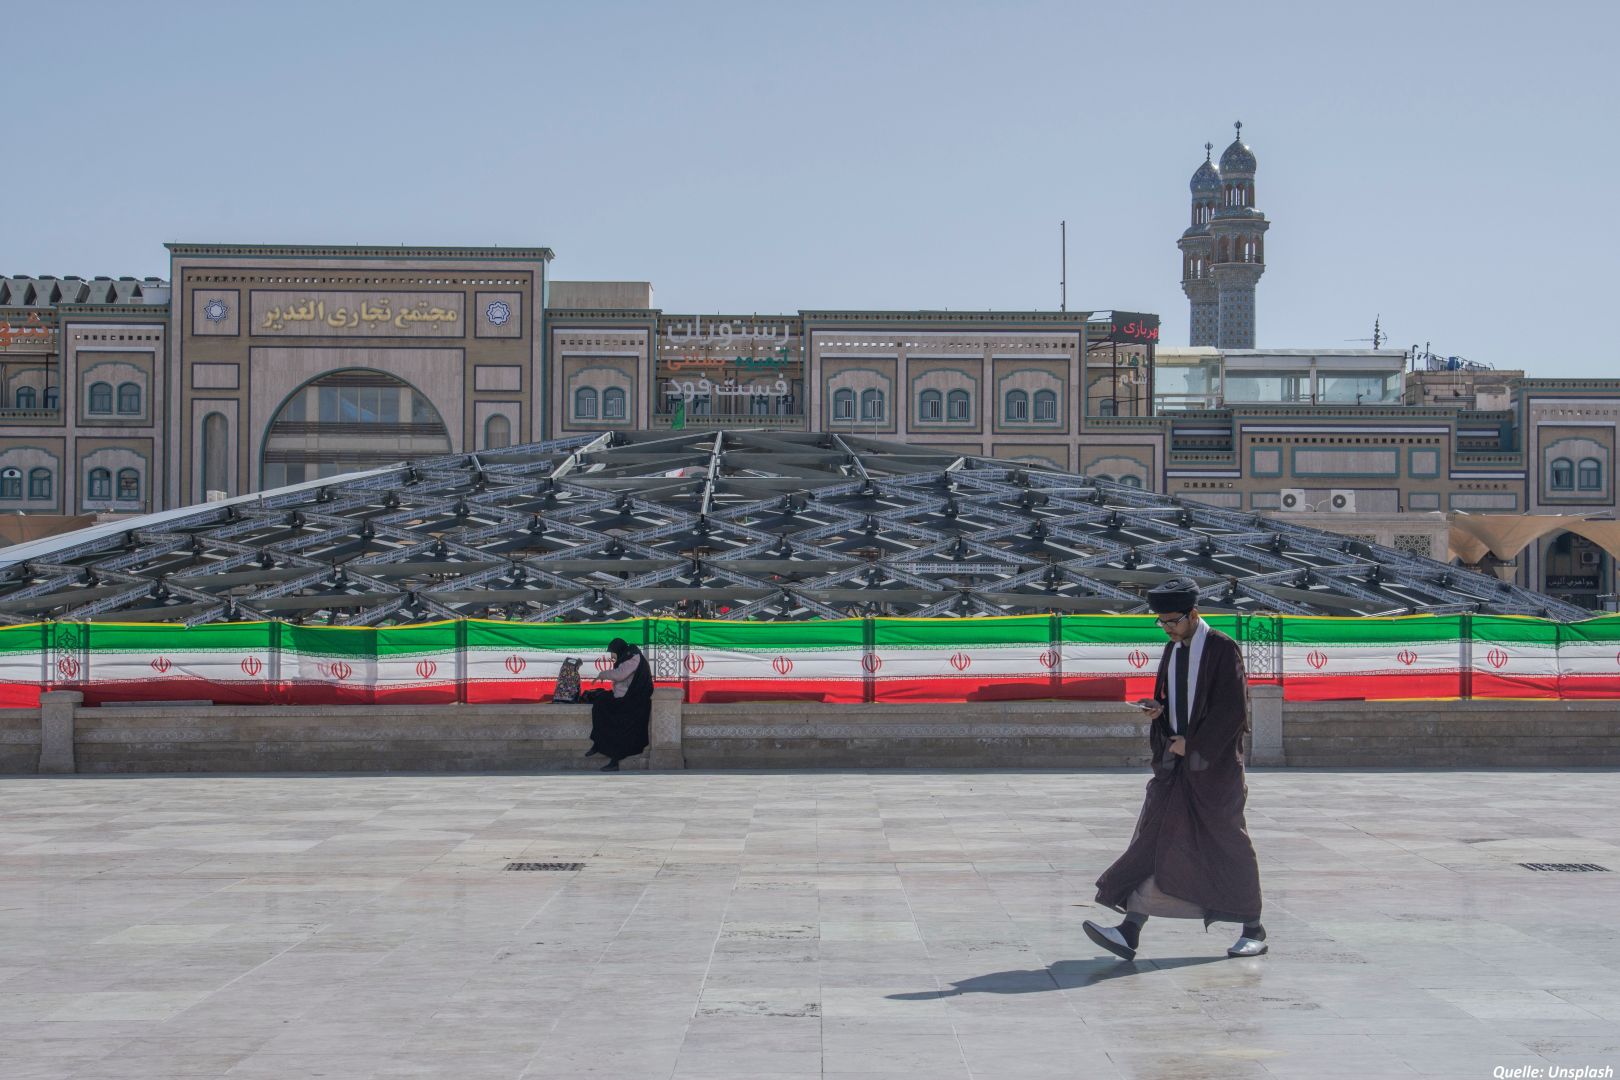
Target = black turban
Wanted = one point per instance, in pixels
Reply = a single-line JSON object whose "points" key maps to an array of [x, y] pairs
{"points": [[1176, 595]]}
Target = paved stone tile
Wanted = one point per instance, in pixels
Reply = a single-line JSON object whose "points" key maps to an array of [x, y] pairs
{"points": [[786, 926]]}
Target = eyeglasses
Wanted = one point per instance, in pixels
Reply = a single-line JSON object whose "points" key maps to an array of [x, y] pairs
{"points": [[1168, 623]]}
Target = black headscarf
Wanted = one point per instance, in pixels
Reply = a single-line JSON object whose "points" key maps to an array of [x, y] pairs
{"points": [[622, 650]]}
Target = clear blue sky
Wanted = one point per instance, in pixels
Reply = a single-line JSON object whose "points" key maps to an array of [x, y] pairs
{"points": [[1450, 165]]}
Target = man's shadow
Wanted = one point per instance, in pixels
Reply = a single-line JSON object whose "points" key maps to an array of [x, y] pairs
{"points": [[1062, 975]]}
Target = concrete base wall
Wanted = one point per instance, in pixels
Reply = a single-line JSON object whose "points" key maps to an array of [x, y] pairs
{"points": [[63, 736], [1013, 734], [1427, 733]]}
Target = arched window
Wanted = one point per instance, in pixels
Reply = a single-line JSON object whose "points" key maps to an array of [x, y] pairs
{"points": [[101, 398], [214, 451], [1017, 405], [1131, 481], [613, 403], [931, 406], [585, 403], [25, 397], [129, 485], [1591, 474], [53, 397], [1045, 405], [844, 405], [871, 404], [129, 399], [1105, 407], [958, 405], [1563, 474], [11, 486], [39, 483], [100, 484], [497, 432]]}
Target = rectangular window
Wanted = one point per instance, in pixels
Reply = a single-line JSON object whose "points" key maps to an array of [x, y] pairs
{"points": [[1270, 387], [1353, 387]]}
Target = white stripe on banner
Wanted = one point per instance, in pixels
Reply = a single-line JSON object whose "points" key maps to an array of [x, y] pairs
{"points": [[435, 667], [516, 663], [967, 662], [1114, 660], [788, 665], [1589, 657], [213, 665], [1392, 658], [1517, 659], [359, 672], [21, 667]]}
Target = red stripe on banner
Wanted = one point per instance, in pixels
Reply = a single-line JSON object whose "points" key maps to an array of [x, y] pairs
{"points": [[719, 691], [1588, 687], [316, 693], [1440, 684], [510, 691], [1488, 685], [180, 689], [19, 695]]}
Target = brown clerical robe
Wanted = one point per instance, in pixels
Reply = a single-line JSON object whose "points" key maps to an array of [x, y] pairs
{"points": [[1191, 838]]}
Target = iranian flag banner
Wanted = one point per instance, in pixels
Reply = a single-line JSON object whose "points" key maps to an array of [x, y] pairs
{"points": [[1589, 659], [1328, 658], [1116, 657], [226, 663], [784, 661], [22, 664], [1078, 657], [991, 659], [1513, 656], [517, 662]]}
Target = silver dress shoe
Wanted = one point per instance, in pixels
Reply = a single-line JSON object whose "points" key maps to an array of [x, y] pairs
{"points": [[1109, 938], [1247, 946]]}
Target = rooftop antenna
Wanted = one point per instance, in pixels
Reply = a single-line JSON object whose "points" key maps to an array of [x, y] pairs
{"points": [[1378, 336], [1063, 281]]}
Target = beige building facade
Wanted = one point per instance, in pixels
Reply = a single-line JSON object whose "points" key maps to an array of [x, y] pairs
{"points": [[293, 363]]}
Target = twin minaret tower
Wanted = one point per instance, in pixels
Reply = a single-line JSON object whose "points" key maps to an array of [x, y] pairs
{"points": [[1223, 251]]}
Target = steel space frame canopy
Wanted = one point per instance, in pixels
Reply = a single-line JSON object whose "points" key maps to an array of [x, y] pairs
{"points": [[729, 525]]}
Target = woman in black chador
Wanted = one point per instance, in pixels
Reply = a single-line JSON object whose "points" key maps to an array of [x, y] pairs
{"points": [[619, 716]]}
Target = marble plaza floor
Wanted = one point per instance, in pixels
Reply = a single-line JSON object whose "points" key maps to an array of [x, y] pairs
{"points": [[774, 926]]}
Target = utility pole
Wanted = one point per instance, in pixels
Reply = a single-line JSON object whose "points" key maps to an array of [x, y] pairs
{"points": [[1063, 280]]}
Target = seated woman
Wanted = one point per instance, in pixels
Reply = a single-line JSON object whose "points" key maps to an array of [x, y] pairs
{"points": [[619, 716]]}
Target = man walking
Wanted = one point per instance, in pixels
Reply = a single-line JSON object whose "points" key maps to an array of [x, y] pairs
{"points": [[1190, 857]]}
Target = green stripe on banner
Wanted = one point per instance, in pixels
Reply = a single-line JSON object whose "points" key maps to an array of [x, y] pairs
{"points": [[1400, 630], [827, 634], [1130, 629], [961, 633], [1515, 630], [575, 639], [16, 640], [415, 640], [348, 642], [156, 637], [1604, 630]]}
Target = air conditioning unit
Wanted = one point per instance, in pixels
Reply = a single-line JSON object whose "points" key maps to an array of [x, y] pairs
{"points": [[1591, 558], [215, 496], [1292, 499], [1342, 500]]}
